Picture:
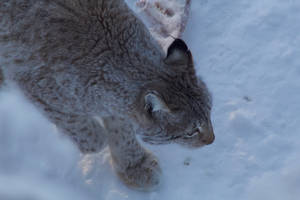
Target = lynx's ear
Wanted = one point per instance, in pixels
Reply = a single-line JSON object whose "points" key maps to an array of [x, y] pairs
{"points": [[153, 103], [178, 53], [180, 56]]}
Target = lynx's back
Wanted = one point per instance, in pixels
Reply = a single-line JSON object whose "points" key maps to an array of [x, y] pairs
{"points": [[76, 45]]}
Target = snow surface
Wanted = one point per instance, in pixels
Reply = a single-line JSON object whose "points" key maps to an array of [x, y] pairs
{"points": [[248, 54]]}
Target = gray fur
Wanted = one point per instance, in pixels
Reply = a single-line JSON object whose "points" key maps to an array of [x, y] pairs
{"points": [[77, 60]]}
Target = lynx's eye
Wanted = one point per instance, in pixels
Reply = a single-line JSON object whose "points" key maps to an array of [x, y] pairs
{"points": [[192, 134]]}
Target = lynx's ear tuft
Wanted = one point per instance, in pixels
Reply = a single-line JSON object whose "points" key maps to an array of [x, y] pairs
{"points": [[178, 53], [153, 103]]}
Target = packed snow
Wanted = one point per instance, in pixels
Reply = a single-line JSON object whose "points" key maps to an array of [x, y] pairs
{"points": [[248, 54]]}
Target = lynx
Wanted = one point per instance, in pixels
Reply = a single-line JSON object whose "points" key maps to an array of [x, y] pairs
{"points": [[97, 73]]}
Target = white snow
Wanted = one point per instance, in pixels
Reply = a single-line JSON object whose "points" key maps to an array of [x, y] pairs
{"points": [[248, 54]]}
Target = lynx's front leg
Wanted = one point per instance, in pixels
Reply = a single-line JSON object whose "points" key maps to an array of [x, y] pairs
{"points": [[136, 166], [167, 18]]}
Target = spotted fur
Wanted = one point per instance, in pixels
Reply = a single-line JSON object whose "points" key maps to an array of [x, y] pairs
{"points": [[85, 62]]}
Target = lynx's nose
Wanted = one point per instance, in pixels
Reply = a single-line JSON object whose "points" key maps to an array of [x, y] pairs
{"points": [[208, 135], [209, 140]]}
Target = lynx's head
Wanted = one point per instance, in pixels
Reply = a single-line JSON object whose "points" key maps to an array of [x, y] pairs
{"points": [[177, 107]]}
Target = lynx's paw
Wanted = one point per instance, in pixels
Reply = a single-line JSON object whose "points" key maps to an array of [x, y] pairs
{"points": [[144, 175], [165, 18]]}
